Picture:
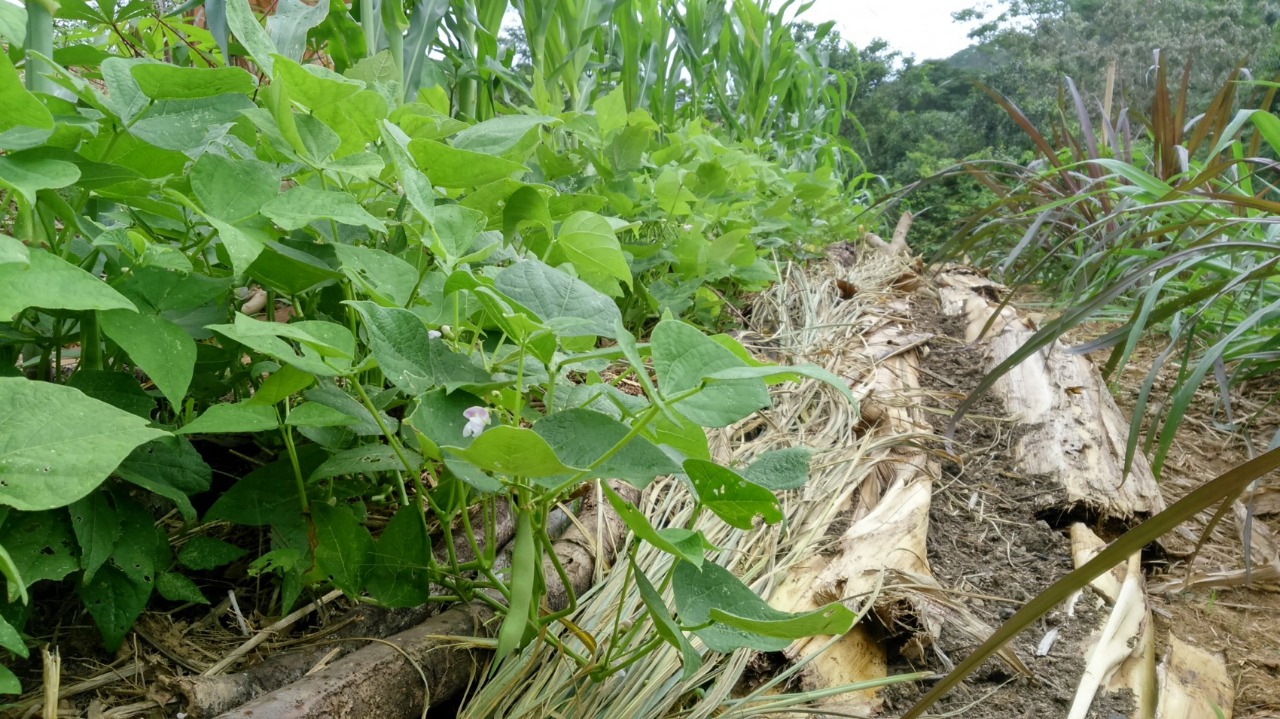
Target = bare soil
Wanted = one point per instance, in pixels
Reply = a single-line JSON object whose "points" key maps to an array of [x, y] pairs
{"points": [[987, 544]]}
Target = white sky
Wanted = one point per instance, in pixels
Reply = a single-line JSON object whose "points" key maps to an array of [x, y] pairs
{"points": [[916, 27]]}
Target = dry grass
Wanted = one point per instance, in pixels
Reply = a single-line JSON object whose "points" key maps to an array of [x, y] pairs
{"points": [[804, 320]]}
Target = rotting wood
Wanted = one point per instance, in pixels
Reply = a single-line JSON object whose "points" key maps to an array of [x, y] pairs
{"points": [[882, 557], [386, 679], [1073, 433], [1193, 682], [212, 692]]}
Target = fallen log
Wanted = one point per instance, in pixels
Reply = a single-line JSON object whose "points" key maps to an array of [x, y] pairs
{"points": [[1073, 433], [1073, 436], [400, 676], [212, 693]]}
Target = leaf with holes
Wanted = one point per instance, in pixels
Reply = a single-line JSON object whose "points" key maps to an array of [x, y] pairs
{"points": [[734, 499], [56, 444]]}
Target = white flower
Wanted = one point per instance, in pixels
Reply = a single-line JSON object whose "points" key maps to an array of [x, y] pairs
{"points": [[433, 334], [477, 420]]}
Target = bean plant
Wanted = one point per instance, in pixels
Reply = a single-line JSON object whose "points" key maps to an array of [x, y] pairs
{"points": [[371, 308]]}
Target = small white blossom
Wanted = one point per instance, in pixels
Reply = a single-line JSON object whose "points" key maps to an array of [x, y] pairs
{"points": [[477, 420], [433, 334]]}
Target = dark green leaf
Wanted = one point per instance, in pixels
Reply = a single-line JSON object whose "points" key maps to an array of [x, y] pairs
{"points": [[581, 437], [729, 496], [683, 358], [178, 588], [780, 469], [567, 304], [97, 529], [399, 575], [410, 359], [203, 553], [115, 602], [344, 549]]}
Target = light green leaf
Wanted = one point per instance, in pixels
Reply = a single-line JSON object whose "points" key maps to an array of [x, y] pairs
{"points": [[243, 246], [302, 205], [163, 81], [355, 120], [233, 190], [229, 418], [25, 122], [244, 25], [497, 135], [13, 24], [27, 176], [289, 24], [14, 252], [581, 437], [56, 444], [156, 346], [51, 282], [611, 111], [317, 89], [9, 683], [514, 452], [683, 359], [454, 230], [732, 498], [568, 305], [587, 240], [677, 541], [123, 96], [451, 167], [387, 279]]}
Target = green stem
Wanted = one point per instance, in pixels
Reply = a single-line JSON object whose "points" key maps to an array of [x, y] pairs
{"points": [[39, 40], [391, 440], [90, 342], [286, 431]]}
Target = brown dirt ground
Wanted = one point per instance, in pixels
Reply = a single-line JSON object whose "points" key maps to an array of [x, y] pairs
{"points": [[986, 544]]}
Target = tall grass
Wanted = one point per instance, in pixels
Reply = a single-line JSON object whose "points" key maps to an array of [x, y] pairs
{"points": [[1171, 221]]}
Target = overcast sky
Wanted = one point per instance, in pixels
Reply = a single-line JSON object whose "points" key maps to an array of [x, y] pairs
{"points": [[917, 27]]}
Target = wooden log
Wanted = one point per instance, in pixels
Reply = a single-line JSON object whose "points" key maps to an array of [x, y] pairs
{"points": [[212, 693], [433, 661], [1072, 433]]}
